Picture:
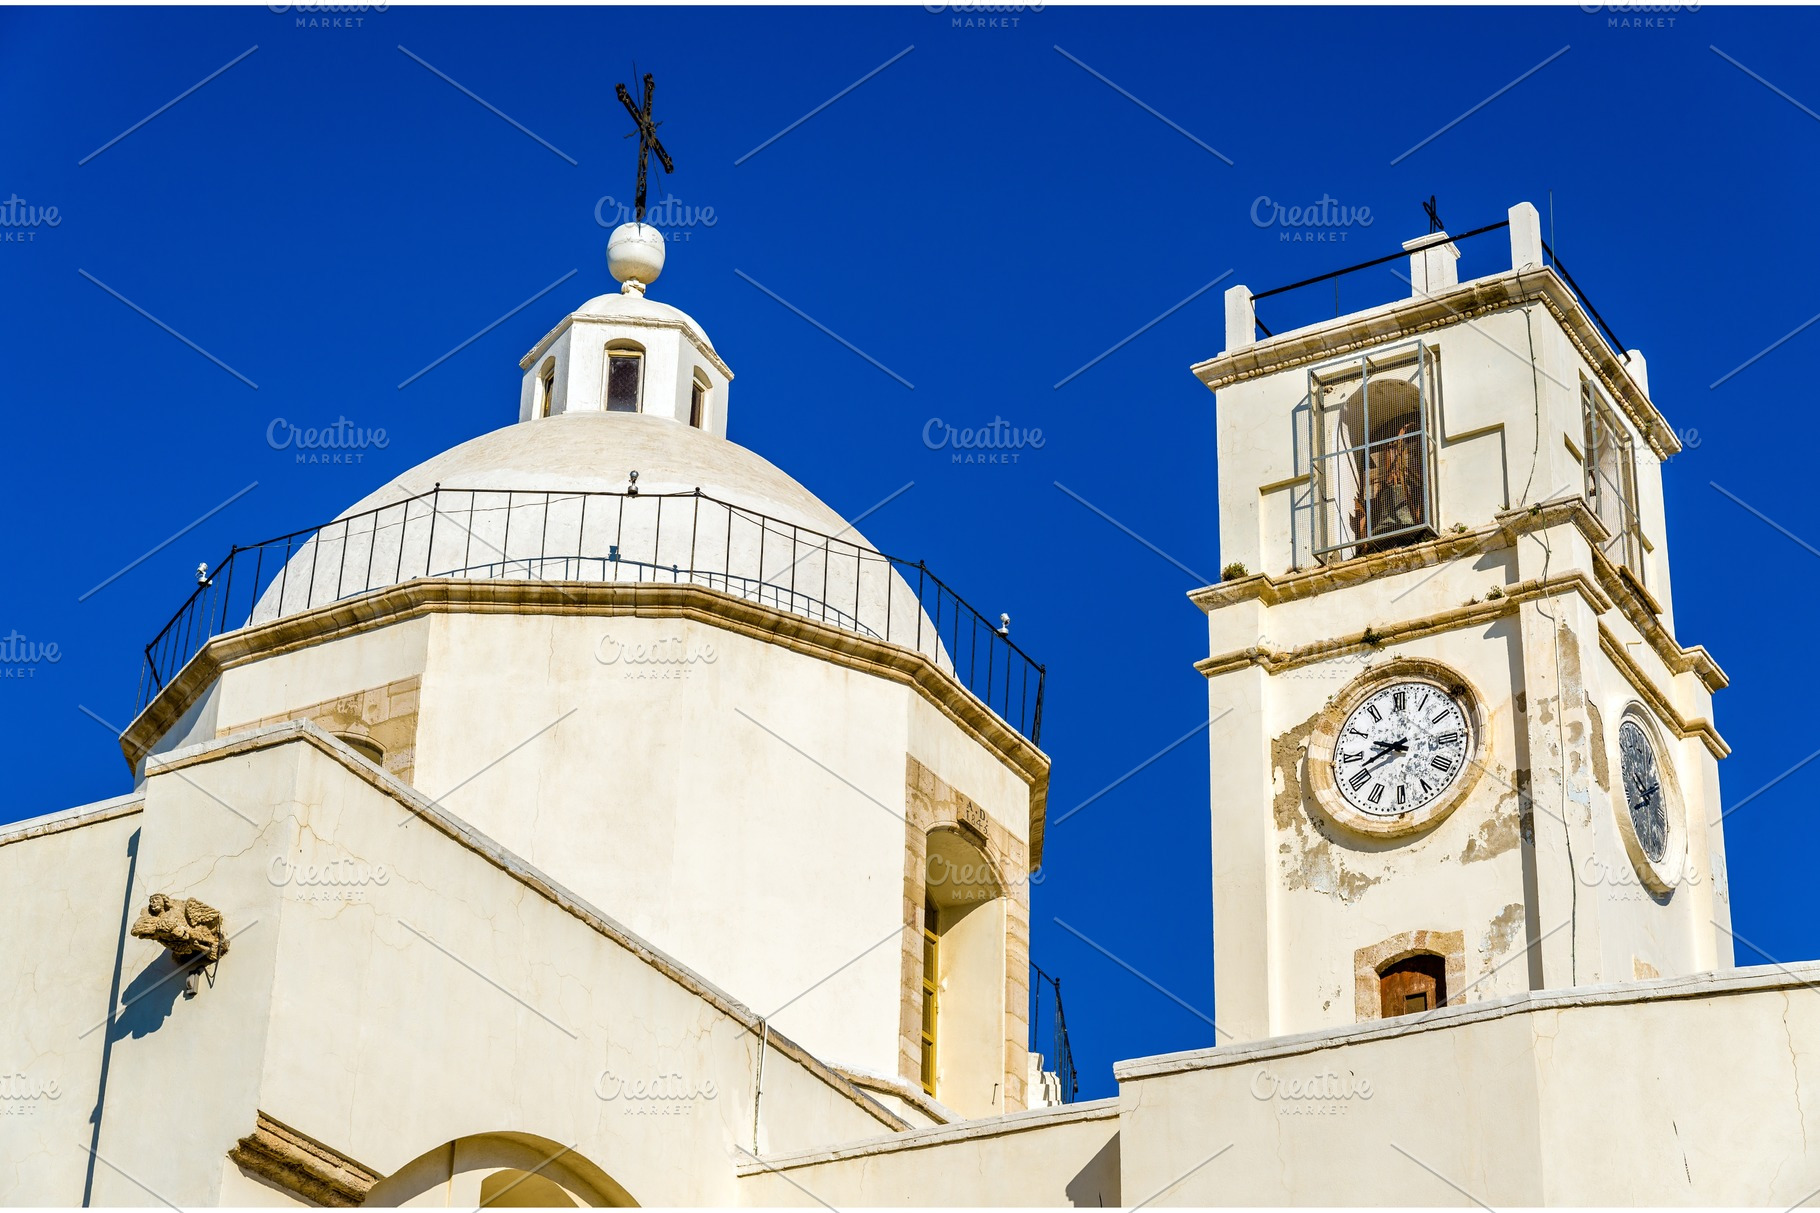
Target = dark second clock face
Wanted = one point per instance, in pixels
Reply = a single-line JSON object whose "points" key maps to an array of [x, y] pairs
{"points": [[1401, 749], [1643, 790]]}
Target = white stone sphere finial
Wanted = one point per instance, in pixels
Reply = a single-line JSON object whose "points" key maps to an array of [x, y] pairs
{"points": [[635, 256]]}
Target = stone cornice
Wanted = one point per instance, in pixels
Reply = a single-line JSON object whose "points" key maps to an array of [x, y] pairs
{"points": [[515, 867], [939, 1135], [899, 1088], [647, 322], [1682, 726], [1375, 637], [1607, 588], [302, 1165], [1467, 301], [440, 595], [74, 819], [1579, 999]]}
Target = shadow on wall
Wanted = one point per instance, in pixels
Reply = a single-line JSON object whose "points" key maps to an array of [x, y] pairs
{"points": [[149, 998], [1097, 1185]]}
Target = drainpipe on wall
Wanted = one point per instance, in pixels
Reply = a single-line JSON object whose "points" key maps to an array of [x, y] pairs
{"points": [[758, 1087]]}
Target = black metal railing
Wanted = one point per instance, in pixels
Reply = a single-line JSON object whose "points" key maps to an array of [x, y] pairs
{"points": [[1052, 1044], [1617, 346], [1440, 238], [1334, 276], [684, 538]]}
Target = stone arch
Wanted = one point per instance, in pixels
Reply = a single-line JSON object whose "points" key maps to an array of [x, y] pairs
{"points": [[501, 1170], [1369, 963], [981, 889]]}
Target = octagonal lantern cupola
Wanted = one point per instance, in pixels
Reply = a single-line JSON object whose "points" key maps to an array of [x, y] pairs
{"points": [[625, 353]]}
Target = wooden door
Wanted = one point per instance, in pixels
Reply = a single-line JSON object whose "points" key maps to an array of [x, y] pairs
{"points": [[1412, 985]]}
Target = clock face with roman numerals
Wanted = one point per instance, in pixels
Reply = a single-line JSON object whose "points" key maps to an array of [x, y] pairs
{"points": [[1401, 749]]}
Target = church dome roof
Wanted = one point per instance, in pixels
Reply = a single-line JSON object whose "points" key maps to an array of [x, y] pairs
{"points": [[635, 307], [597, 452]]}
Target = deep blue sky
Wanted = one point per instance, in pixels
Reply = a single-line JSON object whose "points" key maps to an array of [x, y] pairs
{"points": [[983, 217]]}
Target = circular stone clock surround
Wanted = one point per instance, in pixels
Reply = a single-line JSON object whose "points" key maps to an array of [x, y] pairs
{"points": [[1661, 876], [1322, 742]]}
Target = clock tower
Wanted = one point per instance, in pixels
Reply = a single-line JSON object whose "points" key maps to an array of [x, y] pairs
{"points": [[1458, 752]]}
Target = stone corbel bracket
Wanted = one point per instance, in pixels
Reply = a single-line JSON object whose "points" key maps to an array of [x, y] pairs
{"points": [[301, 1164]]}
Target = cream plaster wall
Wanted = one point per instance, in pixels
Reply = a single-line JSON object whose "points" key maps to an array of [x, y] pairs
{"points": [[198, 723], [745, 812], [285, 681], [68, 875], [1530, 1100], [525, 1011], [1324, 892]]}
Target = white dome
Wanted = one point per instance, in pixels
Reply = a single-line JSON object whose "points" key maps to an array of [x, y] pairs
{"points": [[596, 452], [547, 500]]}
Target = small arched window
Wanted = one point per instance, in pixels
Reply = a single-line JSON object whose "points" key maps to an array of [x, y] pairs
{"points": [[698, 402], [1412, 985], [625, 379], [366, 747], [546, 390]]}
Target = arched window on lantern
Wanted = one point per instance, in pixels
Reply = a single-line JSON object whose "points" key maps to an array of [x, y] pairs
{"points": [[625, 374], [546, 389], [698, 401]]}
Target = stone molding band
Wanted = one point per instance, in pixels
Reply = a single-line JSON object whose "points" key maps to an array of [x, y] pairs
{"points": [[300, 1164]]}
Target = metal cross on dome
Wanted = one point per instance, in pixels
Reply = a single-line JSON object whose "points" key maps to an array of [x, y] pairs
{"points": [[647, 137]]}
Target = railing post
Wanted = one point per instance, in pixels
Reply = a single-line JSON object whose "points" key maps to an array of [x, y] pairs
{"points": [[920, 570], [467, 546], [429, 549], [284, 576], [309, 593], [543, 539], [1036, 725], [341, 566], [694, 526], [581, 533], [258, 570], [228, 586], [505, 548]]}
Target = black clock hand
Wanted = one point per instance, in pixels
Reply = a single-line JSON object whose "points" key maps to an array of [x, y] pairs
{"points": [[1386, 749]]}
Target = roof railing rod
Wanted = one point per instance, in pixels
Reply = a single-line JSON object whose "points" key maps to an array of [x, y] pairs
{"points": [[1618, 347]]}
